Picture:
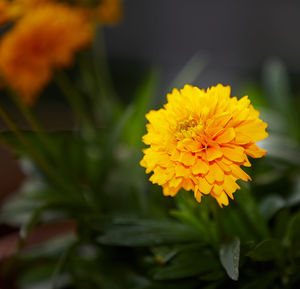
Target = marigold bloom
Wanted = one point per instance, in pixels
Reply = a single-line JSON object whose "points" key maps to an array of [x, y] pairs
{"points": [[46, 38], [106, 12], [109, 11], [199, 140], [8, 12]]}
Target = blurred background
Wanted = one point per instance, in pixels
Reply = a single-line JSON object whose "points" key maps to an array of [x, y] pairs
{"points": [[235, 38], [228, 42]]}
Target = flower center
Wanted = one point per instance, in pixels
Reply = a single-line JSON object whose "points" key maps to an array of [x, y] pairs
{"points": [[189, 128]]}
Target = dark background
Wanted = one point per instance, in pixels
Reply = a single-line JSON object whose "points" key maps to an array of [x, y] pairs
{"points": [[235, 37]]}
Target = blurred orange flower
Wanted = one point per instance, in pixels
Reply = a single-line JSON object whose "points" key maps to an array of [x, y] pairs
{"points": [[44, 39], [199, 140], [109, 11], [8, 12]]}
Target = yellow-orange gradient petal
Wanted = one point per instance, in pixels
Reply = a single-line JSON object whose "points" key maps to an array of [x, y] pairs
{"points": [[200, 139]]}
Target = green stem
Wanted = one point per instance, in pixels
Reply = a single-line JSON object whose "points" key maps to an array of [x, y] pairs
{"points": [[37, 128], [105, 99], [75, 100], [216, 216], [101, 66], [61, 263]]}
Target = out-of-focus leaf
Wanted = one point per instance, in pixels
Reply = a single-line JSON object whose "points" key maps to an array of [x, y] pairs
{"points": [[51, 248], [230, 256], [267, 250], [294, 198], [148, 233], [251, 212], [255, 93], [234, 225], [188, 218], [293, 233], [190, 71], [135, 127], [196, 215], [39, 278], [271, 205], [261, 281], [178, 284], [18, 209], [277, 85], [193, 260], [282, 148], [164, 254]]}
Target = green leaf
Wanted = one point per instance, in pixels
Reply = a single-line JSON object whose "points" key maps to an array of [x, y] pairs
{"points": [[267, 250], [193, 260], [251, 212], [271, 205], [292, 238], [178, 284], [294, 198], [277, 85], [135, 127], [264, 280], [234, 225], [282, 148], [148, 233], [230, 256]]}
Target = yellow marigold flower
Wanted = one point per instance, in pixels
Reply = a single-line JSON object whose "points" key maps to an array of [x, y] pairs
{"points": [[199, 141], [44, 39]]}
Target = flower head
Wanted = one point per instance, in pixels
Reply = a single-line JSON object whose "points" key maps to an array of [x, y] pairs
{"points": [[8, 12], [46, 38], [199, 141], [108, 12]]}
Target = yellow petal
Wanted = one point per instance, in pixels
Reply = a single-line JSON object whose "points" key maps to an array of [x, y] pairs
{"points": [[225, 167], [187, 158], [235, 154], [222, 199], [247, 163], [217, 190], [241, 138], [217, 172], [168, 191], [213, 153], [204, 186], [229, 185], [254, 151], [181, 171], [226, 136], [187, 184], [175, 182], [197, 195], [254, 129], [200, 167], [239, 173]]}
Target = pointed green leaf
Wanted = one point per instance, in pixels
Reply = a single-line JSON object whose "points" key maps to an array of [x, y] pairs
{"points": [[193, 260], [293, 234], [271, 205], [266, 250], [148, 233]]}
